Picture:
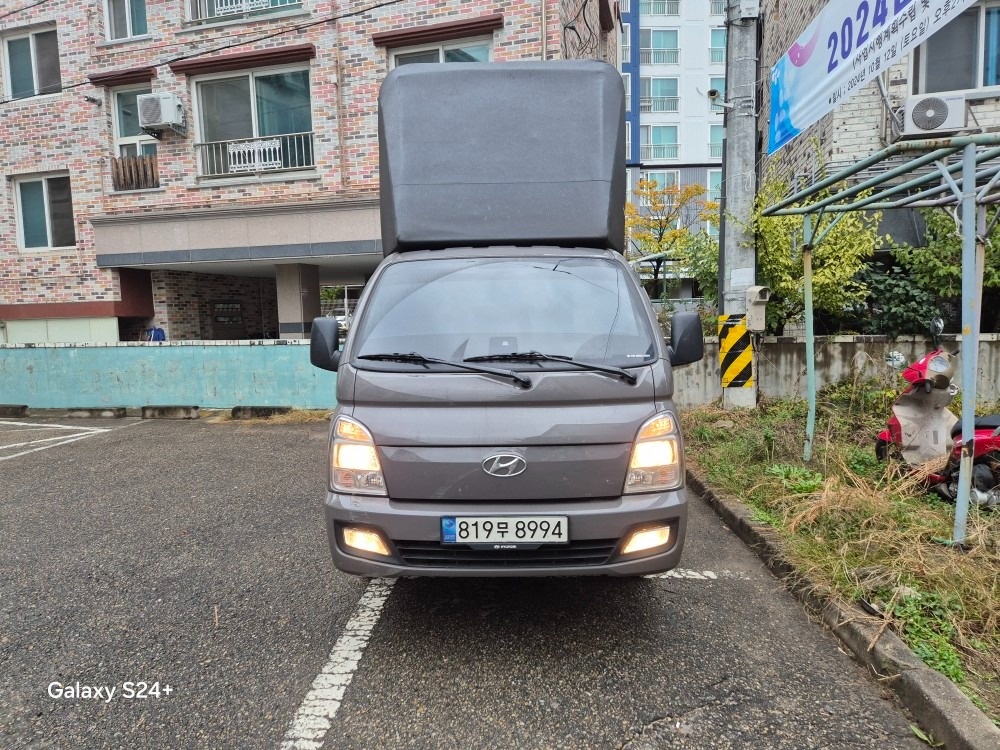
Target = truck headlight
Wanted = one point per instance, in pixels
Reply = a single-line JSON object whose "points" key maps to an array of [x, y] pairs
{"points": [[656, 462], [354, 464]]}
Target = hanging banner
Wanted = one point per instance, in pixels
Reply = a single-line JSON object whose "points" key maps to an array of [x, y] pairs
{"points": [[847, 45]]}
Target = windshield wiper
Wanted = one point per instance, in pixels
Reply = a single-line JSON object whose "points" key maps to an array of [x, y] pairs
{"points": [[420, 359], [534, 356]]}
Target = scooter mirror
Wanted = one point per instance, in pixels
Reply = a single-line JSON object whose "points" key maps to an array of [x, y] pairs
{"points": [[937, 326]]}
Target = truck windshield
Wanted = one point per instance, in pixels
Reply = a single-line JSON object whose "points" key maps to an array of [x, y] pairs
{"points": [[583, 308]]}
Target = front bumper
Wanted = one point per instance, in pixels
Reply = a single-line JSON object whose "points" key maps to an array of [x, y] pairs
{"points": [[594, 526]]}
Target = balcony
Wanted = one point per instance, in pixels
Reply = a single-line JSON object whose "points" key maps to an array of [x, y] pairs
{"points": [[660, 8], [215, 10], [625, 6], [659, 56], [717, 7], [715, 196], [628, 103], [134, 173], [278, 153], [658, 103], [658, 151], [714, 107], [714, 150], [626, 53], [718, 55]]}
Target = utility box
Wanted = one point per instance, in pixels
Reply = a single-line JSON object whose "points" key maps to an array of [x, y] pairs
{"points": [[493, 154], [757, 299]]}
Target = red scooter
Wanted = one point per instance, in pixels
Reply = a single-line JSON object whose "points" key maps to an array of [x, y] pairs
{"points": [[922, 428]]}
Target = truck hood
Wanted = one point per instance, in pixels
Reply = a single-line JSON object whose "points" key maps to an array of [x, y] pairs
{"points": [[574, 430]]}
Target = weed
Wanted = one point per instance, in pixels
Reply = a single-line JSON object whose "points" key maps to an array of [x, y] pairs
{"points": [[795, 478], [862, 527]]}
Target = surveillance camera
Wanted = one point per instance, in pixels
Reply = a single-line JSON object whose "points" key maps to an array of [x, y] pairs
{"points": [[714, 94]]}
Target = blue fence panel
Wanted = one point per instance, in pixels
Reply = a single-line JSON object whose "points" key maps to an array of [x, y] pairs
{"points": [[272, 373]]}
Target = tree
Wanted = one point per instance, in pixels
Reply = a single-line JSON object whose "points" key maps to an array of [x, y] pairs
{"points": [[937, 267], [836, 260], [665, 223]]}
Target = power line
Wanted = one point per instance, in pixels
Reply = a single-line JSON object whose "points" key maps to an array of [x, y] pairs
{"points": [[272, 35], [18, 10]]}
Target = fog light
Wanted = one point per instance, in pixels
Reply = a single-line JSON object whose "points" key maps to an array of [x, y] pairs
{"points": [[366, 541], [647, 539]]}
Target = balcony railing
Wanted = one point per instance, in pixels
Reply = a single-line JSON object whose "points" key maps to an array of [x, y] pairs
{"points": [[715, 196], [252, 155], [626, 53], [714, 150], [210, 10], [625, 6], [660, 7], [718, 107], [718, 54], [134, 172], [658, 103], [717, 7], [659, 56], [628, 103], [658, 151]]}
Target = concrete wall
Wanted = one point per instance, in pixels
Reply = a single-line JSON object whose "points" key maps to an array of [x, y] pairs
{"points": [[782, 365], [225, 373], [200, 373]]}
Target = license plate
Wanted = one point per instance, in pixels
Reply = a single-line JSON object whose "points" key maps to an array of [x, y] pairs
{"points": [[504, 529]]}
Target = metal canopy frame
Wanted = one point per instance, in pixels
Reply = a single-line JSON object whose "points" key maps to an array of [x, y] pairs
{"points": [[959, 174]]}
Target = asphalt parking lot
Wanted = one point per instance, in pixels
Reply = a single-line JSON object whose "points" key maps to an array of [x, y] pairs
{"points": [[193, 555]]}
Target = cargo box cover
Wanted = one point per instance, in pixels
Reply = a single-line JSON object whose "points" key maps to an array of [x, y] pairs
{"points": [[479, 154]]}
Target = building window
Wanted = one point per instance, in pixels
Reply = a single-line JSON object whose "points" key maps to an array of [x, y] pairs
{"points": [[211, 10], [477, 50], [627, 82], [658, 47], [949, 62], [719, 84], [45, 211], [658, 142], [718, 48], [715, 142], [33, 64], [129, 139], [126, 18], [717, 7], [628, 141], [626, 43], [134, 167], [663, 181], [254, 122], [658, 95], [659, 8]]}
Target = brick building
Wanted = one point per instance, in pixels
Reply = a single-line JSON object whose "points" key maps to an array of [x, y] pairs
{"points": [[224, 226]]}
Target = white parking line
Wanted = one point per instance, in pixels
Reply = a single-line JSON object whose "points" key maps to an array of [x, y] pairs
{"points": [[703, 575], [79, 432], [315, 716]]}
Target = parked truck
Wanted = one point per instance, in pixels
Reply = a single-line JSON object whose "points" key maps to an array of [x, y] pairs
{"points": [[504, 393]]}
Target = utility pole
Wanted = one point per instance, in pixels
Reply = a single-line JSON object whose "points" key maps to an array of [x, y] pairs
{"points": [[737, 254]]}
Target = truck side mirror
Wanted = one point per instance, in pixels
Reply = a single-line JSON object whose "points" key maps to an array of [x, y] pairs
{"points": [[324, 344], [687, 344]]}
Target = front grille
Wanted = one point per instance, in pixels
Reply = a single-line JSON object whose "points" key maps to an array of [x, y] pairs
{"points": [[585, 553]]}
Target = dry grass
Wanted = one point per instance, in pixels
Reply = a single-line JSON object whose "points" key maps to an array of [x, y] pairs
{"points": [[295, 416], [868, 531]]}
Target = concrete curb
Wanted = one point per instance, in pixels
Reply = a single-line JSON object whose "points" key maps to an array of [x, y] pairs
{"points": [[942, 709]]}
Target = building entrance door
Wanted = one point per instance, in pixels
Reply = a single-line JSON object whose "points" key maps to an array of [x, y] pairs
{"points": [[227, 321]]}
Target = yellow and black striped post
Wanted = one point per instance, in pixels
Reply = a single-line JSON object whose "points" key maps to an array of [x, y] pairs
{"points": [[735, 352]]}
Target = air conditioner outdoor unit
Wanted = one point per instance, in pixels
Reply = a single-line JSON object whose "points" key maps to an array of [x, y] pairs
{"points": [[158, 111], [933, 114]]}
